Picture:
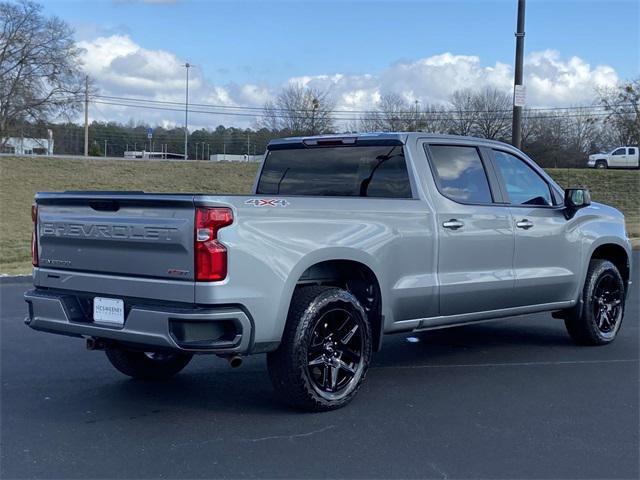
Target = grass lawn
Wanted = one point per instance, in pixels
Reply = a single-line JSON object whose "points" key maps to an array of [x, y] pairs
{"points": [[21, 178]]}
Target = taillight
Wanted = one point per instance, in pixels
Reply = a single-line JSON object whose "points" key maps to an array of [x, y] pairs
{"points": [[34, 235], [210, 254]]}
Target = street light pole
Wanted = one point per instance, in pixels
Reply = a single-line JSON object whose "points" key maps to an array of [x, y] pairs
{"points": [[516, 128], [315, 105], [186, 112]]}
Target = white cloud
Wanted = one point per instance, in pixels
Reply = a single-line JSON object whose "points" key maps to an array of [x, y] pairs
{"points": [[120, 67]]}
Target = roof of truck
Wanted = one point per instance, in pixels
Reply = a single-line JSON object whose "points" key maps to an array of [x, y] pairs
{"points": [[374, 137]]}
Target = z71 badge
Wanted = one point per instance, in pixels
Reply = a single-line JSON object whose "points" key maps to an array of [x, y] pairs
{"points": [[267, 202]]}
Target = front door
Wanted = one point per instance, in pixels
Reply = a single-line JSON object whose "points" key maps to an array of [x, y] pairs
{"points": [[547, 246], [476, 243], [618, 158]]}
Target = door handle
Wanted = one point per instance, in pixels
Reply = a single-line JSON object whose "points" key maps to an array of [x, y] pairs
{"points": [[526, 224], [453, 224]]}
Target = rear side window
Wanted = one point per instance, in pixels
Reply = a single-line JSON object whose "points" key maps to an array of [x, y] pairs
{"points": [[524, 185], [460, 173], [632, 151], [347, 171]]}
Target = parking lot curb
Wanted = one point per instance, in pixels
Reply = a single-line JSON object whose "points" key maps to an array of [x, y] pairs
{"points": [[16, 279]]}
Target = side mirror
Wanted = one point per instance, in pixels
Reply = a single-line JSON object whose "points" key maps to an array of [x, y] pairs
{"points": [[575, 199]]}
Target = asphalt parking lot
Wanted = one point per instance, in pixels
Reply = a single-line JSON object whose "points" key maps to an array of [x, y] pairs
{"points": [[509, 399]]}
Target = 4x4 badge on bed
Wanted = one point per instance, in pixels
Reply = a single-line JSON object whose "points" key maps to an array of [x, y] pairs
{"points": [[267, 202]]}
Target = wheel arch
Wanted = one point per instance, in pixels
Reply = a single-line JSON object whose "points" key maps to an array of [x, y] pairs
{"points": [[355, 273], [617, 255]]}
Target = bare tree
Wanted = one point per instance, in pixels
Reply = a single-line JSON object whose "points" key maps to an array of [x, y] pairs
{"points": [[462, 118], [40, 73], [623, 107], [491, 115], [434, 119], [392, 114], [545, 137], [582, 127], [299, 110], [395, 114]]}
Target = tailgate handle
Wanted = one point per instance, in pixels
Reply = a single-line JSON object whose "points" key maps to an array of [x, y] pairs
{"points": [[105, 206]]}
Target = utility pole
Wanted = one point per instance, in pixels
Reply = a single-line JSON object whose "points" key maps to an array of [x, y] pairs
{"points": [[105, 147], [516, 128], [247, 146], [186, 113], [208, 155], [86, 115]]}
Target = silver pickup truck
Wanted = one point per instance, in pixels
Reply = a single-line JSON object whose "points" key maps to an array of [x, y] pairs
{"points": [[344, 239]]}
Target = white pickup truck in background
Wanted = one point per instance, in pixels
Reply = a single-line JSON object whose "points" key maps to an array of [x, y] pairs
{"points": [[621, 157]]}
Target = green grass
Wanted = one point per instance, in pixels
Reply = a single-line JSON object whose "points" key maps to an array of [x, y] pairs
{"points": [[21, 178]]}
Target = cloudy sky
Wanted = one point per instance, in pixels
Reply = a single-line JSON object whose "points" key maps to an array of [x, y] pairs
{"points": [[424, 50]]}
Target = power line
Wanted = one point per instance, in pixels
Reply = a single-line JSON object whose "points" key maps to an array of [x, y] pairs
{"points": [[444, 115], [340, 111]]}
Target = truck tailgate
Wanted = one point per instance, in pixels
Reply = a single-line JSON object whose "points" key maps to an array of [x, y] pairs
{"points": [[125, 234]]}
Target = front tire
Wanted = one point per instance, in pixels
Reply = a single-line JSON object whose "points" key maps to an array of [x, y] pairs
{"points": [[147, 365], [325, 351], [603, 306], [601, 164]]}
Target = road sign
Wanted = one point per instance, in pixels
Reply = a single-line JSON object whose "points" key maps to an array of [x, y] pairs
{"points": [[519, 96], [149, 133]]}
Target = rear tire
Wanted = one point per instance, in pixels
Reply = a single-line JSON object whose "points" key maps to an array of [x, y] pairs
{"points": [[147, 365], [603, 306], [325, 350]]}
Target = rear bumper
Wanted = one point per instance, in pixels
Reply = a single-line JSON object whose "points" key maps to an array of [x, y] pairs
{"points": [[220, 329]]}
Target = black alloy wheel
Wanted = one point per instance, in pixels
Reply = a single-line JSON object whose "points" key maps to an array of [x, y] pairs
{"points": [[607, 303], [334, 354]]}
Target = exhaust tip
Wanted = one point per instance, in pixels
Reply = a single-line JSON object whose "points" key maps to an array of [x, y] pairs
{"points": [[235, 361]]}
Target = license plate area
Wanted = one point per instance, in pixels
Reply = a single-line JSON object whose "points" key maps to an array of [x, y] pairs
{"points": [[109, 311]]}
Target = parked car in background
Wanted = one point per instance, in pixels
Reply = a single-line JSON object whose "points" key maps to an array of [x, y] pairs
{"points": [[621, 157], [342, 241]]}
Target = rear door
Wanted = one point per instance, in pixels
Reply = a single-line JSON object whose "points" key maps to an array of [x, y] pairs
{"points": [[547, 248], [632, 157], [476, 234]]}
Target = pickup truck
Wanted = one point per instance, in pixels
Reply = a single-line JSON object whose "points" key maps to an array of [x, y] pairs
{"points": [[621, 157], [343, 240]]}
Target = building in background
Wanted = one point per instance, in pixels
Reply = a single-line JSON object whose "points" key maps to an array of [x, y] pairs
{"points": [[28, 146], [226, 157]]}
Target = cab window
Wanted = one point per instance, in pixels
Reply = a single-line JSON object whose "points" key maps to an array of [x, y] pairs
{"points": [[460, 174], [524, 185], [620, 151]]}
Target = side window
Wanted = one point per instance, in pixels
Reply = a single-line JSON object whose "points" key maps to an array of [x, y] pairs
{"points": [[460, 173], [390, 179], [524, 185], [620, 151], [632, 151]]}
